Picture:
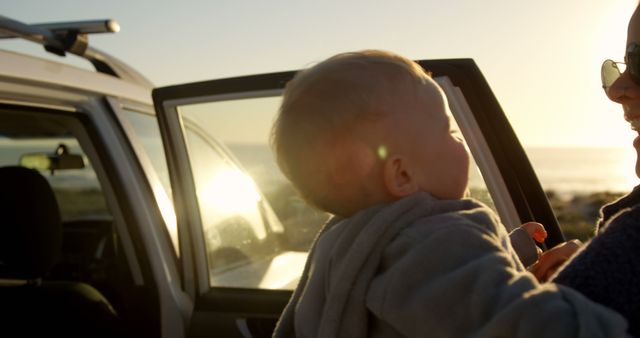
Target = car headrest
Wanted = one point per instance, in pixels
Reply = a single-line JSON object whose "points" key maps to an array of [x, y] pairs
{"points": [[30, 224]]}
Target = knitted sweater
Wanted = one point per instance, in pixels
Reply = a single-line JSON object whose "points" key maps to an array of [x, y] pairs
{"points": [[607, 270]]}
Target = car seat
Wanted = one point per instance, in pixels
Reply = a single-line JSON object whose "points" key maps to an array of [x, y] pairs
{"points": [[30, 243]]}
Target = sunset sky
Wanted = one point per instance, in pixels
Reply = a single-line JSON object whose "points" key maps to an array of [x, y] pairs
{"points": [[542, 58]]}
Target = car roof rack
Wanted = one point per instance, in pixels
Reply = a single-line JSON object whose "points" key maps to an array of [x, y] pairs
{"points": [[72, 37]]}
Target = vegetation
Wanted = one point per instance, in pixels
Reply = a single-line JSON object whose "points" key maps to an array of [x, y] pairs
{"points": [[577, 214], [301, 222]]}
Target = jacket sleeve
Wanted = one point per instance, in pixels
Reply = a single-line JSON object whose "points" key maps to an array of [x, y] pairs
{"points": [[459, 282], [607, 270]]}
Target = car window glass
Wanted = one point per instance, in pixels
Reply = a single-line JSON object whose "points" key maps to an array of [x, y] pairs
{"points": [[477, 185], [147, 134], [243, 127], [87, 245], [78, 192], [241, 232], [486, 182]]}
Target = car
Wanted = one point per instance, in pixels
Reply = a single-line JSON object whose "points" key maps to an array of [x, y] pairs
{"points": [[172, 210]]}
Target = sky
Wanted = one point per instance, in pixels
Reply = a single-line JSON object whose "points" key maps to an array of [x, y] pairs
{"points": [[541, 58]]}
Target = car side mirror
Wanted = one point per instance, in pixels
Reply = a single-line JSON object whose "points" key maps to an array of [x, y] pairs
{"points": [[61, 159]]}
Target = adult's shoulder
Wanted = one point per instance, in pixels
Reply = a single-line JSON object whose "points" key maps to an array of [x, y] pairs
{"points": [[627, 220], [621, 205]]}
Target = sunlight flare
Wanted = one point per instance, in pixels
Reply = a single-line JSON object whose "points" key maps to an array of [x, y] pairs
{"points": [[231, 192]]}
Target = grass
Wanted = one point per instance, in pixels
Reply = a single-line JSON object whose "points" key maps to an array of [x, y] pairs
{"points": [[577, 214]]}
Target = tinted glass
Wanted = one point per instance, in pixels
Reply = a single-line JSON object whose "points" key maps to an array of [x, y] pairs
{"points": [[77, 190]]}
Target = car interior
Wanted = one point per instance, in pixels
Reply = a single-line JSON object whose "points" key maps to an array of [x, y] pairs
{"points": [[32, 244], [61, 263]]}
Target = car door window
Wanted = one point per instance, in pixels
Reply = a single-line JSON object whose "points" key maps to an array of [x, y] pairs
{"points": [[88, 246], [77, 189], [234, 117], [234, 233], [146, 133], [486, 182], [244, 127], [78, 192]]}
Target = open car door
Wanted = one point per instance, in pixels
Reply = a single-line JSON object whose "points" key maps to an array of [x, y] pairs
{"points": [[244, 233]]}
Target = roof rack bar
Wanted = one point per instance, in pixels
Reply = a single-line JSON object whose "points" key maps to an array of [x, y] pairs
{"points": [[84, 27], [60, 38], [10, 28], [49, 29]]}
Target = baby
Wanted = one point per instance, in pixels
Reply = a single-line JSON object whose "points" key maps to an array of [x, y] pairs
{"points": [[366, 137]]}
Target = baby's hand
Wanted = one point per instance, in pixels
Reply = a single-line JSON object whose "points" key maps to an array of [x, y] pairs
{"points": [[536, 231], [523, 241]]}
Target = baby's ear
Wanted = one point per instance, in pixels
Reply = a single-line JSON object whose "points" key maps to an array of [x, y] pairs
{"points": [[398, 178]]}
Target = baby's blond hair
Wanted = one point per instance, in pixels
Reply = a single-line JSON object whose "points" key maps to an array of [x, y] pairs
{"points": [[329, 101]]}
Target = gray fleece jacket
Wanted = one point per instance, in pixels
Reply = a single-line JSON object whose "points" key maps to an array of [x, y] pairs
{"points": [[423, 267]]}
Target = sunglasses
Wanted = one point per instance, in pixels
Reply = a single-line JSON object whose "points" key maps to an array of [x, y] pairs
{"points": [[611, 70]]}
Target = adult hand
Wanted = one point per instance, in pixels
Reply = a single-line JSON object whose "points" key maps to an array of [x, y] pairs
{"points": [[552, 259]]}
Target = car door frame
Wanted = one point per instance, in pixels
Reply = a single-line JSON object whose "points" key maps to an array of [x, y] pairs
{"points": [[239, 311]]}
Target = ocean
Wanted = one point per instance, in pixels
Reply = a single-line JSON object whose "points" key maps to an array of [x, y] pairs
{"points": [[562, 170], [584, 170]]}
